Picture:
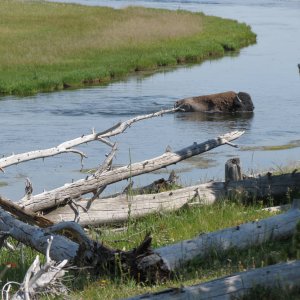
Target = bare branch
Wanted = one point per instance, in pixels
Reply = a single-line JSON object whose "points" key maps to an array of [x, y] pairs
{"points": [[121, 127], [107, 163], [42, 279], [106, 166], [96, 196], [28, 188], [78, 188], [74, 207], [68, 146]]}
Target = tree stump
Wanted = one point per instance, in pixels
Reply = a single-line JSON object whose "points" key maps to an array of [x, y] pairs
{"points": [[233, 171]]}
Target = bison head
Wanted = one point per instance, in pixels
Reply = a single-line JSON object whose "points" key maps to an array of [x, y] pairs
{"points": [[243, 102]]}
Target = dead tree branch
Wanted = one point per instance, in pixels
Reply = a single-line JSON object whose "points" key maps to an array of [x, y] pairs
{"points": [[68, 146], [42, 279], [78, 188]]}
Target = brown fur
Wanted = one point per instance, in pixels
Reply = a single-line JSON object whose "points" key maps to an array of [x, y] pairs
{"points": [[221, 102]]}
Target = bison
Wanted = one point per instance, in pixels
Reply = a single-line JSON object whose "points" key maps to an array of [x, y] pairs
{"points": [[227, 102]]}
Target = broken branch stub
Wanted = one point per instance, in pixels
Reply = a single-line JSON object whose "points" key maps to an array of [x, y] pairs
{"points": [[78, 188]]}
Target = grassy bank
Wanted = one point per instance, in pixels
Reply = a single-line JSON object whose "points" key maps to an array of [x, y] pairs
{"points": [[168, 228], [50, 46]]}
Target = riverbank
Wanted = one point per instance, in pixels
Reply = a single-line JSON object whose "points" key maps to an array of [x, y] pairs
{"points": [[50, 46]]}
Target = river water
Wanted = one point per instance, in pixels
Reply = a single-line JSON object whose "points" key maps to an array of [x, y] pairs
{"points": [[267, 71]]}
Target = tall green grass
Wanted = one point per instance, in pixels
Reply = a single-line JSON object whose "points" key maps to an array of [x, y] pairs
{"points": [[50, 46], [167, 228]]}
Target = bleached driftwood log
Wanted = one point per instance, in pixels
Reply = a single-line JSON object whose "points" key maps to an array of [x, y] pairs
{"points": [[239, 237], [40, 279], [92, 183], [36, 237], [80, 250], [283, 275], [68, 146], [142, 262], [116, 209]]}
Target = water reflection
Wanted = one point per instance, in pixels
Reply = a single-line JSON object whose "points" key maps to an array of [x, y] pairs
{"points": [[215, 117], [227, 121]]}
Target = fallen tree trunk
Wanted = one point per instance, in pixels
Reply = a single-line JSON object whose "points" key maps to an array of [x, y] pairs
{"points": [[142, 262], [283, 276], [118, 209], [238, 237], [81, 252], [24, 214], [90, 184]]}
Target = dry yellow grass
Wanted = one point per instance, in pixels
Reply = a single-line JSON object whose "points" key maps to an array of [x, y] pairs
{"points": [[45, 46], [49, 34], [149, 27]]}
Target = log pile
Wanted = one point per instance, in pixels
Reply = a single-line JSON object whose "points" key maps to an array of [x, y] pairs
{"points": [[57, 217]]}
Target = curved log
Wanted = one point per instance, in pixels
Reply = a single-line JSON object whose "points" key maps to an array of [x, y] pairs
{"points": [[84, 252]]}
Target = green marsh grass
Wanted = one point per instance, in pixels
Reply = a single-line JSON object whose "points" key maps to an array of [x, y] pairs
{"points": [[49, 46], [167, 228]]}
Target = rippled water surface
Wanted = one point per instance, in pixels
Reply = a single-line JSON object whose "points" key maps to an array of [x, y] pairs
{"points": [[267, 70]]}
